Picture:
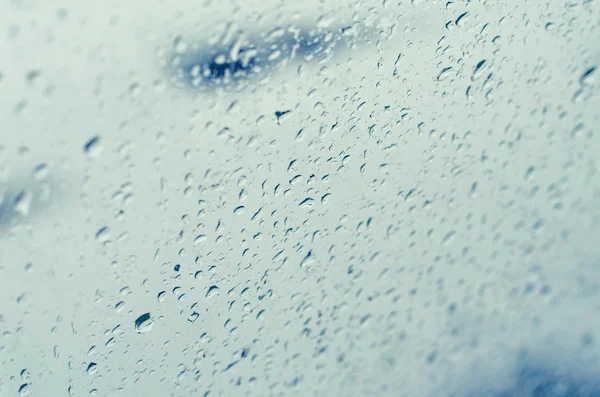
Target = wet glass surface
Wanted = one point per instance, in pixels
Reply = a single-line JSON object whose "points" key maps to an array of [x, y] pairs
{"points": [[299, 199]]}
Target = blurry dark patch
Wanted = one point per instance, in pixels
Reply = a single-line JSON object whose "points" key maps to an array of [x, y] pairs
{"points": [[20, 200], [543, 382], [9, 201], [232, 65], [89, 145], [550, 379]]}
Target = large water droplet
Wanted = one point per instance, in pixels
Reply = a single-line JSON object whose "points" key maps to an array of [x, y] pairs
{"points": [[143, 323], [24, 389]]}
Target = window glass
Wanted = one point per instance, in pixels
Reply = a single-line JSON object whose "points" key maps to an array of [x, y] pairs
{"points": [[316, 198]]}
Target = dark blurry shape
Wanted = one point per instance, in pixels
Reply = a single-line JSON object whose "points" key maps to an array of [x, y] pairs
{"points": [[545, 380], [230, 65], [540, 382], [5, 213], [22, 200], [279, 114], [13, 205], [91, 144]]}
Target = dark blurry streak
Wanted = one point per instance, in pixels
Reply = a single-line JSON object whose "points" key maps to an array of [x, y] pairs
{"points": [[209, 67], [21, 200], [550, 379]]}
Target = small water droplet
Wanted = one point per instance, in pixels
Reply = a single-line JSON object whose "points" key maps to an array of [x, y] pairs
{"points": [[40, 171], [32, 76], [24, 389], [280, 115], [477, 72], [200, 238], [179, 45], [92, 368], [444, 73], [461, 18], [119, 306], [307, 202], [23, 203], [213, 290], [93, 147], [587, 77], [103, 235]]}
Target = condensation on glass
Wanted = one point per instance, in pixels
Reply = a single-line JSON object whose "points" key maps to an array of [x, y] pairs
{"points": [[322, 198]]}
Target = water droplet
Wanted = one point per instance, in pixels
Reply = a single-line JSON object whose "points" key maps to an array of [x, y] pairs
{"points": [[92, 368], [200, 238], [24, 389], [587, 77], [93, 147], [212, 291], [461, 18], [119, 306], [143, 323], [444, 73], [103, 235], [179, 45], [307, 202], [477, 72], [40, 171], [23, 203], [280, 115], [193, 317]]}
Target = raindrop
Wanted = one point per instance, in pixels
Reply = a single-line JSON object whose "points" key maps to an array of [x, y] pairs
{"points": [[92, 368], [212, 291], [587, 76], [23, 203], [24, 389], [179, 45], [444, 73], [199, 238], [103, 235], [279, 115], [307, 202], [143, 323], [478, 69], [460, 18], [25, 374], [93, 147]]}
